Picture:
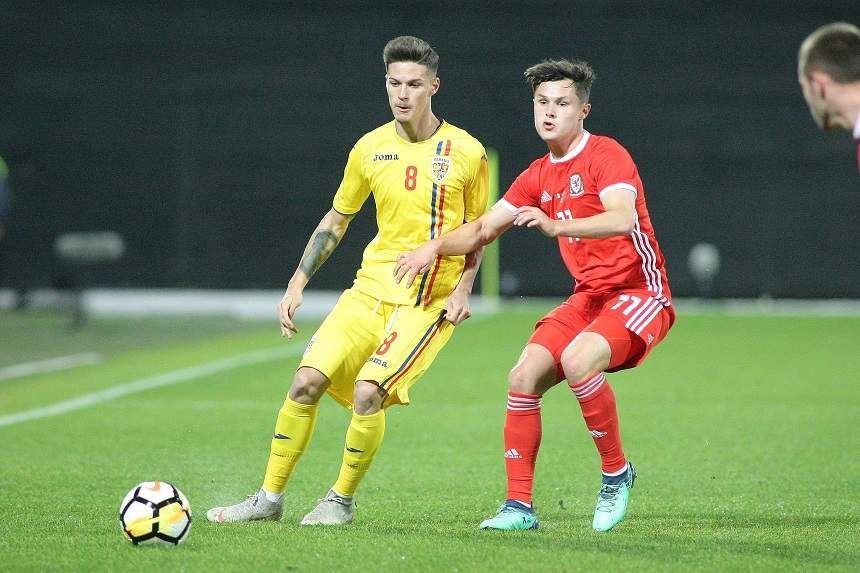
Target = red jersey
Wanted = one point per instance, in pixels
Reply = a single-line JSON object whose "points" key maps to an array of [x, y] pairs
{"points": [[570, 187], [856, 135]]}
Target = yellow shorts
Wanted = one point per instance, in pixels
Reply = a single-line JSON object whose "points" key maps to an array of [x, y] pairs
{"points": [[364, 338]]}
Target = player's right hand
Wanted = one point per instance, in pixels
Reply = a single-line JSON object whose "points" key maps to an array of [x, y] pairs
{"points": [[286, 310]]}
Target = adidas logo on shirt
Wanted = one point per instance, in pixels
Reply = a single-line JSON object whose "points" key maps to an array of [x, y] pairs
{"points": [[597, 433], [545, 197], [513, 454]]}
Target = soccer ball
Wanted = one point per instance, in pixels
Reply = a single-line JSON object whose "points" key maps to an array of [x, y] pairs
{"points": [[155, 512]]}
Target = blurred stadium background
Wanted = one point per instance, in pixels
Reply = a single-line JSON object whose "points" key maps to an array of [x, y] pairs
{"points": [[211, 139]]}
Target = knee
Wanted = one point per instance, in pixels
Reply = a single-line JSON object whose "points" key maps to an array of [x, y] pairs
{"points": [[574, 375], [367, 398], [574, 369], [588, 354], [308, 386], [520, 381]]}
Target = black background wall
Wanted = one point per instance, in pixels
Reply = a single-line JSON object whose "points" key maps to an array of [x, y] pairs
{"points": [[213, 138]]}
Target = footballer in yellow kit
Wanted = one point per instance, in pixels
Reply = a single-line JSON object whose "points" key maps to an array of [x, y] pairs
{"points": [[380, 330], [427, 177]]}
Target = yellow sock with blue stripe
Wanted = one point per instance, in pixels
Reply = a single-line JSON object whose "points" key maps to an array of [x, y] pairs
{"points": [[293, 431], [362, 441]]}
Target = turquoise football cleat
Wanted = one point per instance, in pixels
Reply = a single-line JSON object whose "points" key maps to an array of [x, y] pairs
{"points": [[612, 500], [512, 516]]}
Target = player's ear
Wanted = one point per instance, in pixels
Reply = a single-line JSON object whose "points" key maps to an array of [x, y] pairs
{"points": [[586, 109], [819, 81], [435, 85]]}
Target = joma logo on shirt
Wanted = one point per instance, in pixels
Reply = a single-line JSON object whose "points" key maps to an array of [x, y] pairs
{"points": [[379, 361], [385, 157]]}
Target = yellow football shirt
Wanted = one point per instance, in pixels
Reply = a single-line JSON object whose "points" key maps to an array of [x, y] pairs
{"points": [[422, 190]]}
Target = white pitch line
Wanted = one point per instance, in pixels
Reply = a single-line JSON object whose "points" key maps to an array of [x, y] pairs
{"points": [[49, 365], [166, 379]]}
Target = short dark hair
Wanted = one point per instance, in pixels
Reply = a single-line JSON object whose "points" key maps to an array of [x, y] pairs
{"points": [[410, 49], [577, 71], [833, 49]]}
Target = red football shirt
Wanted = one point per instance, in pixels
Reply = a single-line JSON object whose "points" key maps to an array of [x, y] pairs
{"points": [[856, 135], [570, 187]]}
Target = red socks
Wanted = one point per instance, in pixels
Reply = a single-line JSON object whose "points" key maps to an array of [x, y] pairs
{"points": [[523, 433], [601, 418], [522, 441]]}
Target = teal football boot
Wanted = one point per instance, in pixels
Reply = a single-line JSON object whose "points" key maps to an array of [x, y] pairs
{"points": [[612, 500], [512, 516]]}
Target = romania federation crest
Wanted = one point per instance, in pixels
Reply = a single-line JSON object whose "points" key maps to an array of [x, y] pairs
{"points": [[440, 167], [576, 186]]}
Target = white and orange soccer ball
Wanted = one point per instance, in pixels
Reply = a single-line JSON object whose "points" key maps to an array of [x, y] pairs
{"points": [[155, 512]]}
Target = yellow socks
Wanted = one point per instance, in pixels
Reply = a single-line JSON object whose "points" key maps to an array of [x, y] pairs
{"points": [[362, 441], [293, 431]]}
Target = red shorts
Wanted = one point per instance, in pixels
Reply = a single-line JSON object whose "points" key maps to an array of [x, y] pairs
{"points": [[630, 320]]}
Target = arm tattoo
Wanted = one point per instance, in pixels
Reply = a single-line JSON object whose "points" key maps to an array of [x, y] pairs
{"points": [[321, 246]]}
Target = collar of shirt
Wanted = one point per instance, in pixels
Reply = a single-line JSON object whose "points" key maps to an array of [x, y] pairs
{"points": [[573, 152]]}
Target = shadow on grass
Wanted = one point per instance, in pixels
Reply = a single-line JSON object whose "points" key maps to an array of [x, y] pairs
{"points": [[747, 521], [669, 539]]}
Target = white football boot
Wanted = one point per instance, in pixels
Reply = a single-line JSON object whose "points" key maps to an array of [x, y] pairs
{"points": [[256, 506], [333, 509]]}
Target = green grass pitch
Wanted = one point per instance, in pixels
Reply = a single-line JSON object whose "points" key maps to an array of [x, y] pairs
{"points": [[743, 430]]}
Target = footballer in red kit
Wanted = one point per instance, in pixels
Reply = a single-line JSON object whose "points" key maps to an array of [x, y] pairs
{"points": [[621, 275], [587, 194]]}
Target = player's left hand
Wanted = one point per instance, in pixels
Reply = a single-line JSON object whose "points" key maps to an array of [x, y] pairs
{"points": [[534, 217], [414, 263], [291, 301], [457, 309]]}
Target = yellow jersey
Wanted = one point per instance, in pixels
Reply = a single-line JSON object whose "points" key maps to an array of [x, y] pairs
{"points": [[422, 190]]}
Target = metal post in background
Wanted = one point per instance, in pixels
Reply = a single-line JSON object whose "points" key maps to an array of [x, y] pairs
{"points": [[490, 264]]}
